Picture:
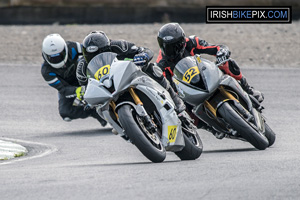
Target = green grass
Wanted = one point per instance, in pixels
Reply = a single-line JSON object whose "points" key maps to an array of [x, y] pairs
{"points": [[16, 155], [19, 154]]}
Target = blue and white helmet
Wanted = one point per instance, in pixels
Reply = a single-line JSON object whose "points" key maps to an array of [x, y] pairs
{"points": [[55, 50]]}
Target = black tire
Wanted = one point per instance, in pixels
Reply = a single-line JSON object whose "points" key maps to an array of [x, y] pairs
{"points": [[138, 135], [270, 135], [238, 123], [193, 147]]}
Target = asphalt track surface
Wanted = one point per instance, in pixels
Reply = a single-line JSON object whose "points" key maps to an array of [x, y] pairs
{"points": [[82, 160]]}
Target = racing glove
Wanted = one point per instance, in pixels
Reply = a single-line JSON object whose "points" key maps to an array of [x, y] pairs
{"points": [[80, 92], [141, 59], [222, 55]]}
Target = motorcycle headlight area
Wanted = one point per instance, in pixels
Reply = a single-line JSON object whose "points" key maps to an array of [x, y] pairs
{"points": [[107, 83]]}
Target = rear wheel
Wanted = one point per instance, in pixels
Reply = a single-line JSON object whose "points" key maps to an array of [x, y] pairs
{"points": [[148, 143], [193, 145], [270, 135], [243, 127]]}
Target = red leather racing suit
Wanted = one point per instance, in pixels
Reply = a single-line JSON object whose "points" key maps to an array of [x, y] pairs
{"points": [[195, 45]]}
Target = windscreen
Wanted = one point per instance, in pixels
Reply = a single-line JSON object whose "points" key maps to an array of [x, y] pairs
{"points": [[100, 65], [188, 71]]}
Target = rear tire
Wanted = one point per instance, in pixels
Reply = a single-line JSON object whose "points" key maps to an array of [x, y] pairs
{"points": [[270, 135], [151, 148], [238, 123], [193, 147]]}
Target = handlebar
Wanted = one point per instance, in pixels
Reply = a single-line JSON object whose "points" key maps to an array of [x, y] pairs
{"points": [[139, 62], [221, 63], [83, 103], [78, 102]]}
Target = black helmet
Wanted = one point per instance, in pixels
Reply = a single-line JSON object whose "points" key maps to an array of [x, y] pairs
{"points": [[171, 40], [95, 43]]}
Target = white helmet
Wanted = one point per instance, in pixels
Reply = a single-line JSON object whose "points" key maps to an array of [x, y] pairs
{"points": [[55, 50]]}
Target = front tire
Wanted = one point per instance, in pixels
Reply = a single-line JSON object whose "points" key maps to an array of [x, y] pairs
{"points": [[193, 146], [238, 123], [149, 144], [270, 135]]}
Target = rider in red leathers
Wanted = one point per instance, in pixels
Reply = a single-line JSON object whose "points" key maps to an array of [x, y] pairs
{"points": [[174, 46]]}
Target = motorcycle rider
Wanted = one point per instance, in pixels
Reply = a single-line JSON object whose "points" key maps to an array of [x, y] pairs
{"points": [[59, 71], [97, 42], [174, 46]]}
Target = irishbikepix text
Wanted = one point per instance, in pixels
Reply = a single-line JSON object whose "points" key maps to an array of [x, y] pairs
{"points": [[248, 14]]}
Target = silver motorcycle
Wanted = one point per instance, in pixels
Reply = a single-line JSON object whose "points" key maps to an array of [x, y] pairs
{"points": [[220, 102], [139, 109]]}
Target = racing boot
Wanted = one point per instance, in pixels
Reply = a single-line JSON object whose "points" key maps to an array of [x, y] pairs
{"points": [[184, 117], [250, 90], [179, 104], [157, 74]]}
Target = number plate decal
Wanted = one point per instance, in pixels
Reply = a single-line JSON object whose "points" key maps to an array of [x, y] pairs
{"points": [[172, 133], [190, 73], [102, 71]]}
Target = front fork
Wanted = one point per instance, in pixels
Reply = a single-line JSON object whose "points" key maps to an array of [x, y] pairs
{"points": [[213, 108], [150, 125], [228, 97]]}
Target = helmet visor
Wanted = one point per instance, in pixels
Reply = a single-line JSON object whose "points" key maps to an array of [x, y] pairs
{"points": [[89, 56], [172, 50], [57, 58]]}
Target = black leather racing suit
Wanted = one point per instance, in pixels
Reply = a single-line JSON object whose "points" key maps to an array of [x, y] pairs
{"points": [[125, 49], [65, 81]]}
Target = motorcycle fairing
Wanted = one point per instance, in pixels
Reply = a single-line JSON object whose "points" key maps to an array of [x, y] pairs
{"points": [[214, 78], [172, 138], [122, 75], [209, 74], [96, 93]]}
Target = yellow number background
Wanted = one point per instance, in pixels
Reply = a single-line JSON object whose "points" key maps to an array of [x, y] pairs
{"points": [[172, 133], [190, 73], [102, 71]]}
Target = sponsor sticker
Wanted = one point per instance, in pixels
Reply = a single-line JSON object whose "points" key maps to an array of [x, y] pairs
{"points": [[92, 49], [168, 38]]}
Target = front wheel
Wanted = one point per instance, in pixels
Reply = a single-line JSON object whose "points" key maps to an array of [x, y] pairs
{"points": [[193, 145], [148, 143], [243, 127]]}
